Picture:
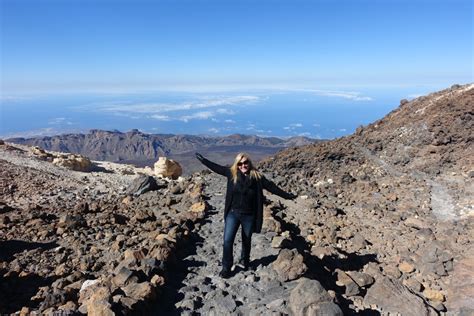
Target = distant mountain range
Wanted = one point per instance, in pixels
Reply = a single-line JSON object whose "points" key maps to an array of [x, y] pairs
{"points": [[144, 149]]}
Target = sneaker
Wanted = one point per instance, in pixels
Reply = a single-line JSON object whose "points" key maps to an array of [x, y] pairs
{"points": [[245, 264], [225, 274]]}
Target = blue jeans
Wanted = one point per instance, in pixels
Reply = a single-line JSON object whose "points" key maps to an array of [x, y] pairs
{"points": [[232, 222]]}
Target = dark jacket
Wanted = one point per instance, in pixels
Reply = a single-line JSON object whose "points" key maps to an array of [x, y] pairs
{"points": [[263, 183]]}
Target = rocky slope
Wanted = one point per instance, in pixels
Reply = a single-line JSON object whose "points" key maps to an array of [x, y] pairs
{"points": [[77, 242], [400, 189], [375, 230]]}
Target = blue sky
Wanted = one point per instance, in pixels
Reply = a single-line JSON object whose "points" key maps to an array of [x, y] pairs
{"points": [[390, 49], [104, 44]]}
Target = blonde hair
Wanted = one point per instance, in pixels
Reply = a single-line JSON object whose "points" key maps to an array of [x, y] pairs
{"points": [[254, 173]]}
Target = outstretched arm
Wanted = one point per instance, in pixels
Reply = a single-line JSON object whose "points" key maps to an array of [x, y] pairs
{"points": [[224, 171], [273, 188]]}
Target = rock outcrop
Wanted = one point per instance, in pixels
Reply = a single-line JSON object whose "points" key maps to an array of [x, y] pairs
{"points": [[167, 168], [73, 162]]}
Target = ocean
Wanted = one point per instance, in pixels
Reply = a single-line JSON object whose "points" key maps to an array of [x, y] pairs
{"points": [[323, 114]]}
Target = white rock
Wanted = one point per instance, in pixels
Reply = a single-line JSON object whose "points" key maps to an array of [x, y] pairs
{"points": [[88, 283], [167, 168]]}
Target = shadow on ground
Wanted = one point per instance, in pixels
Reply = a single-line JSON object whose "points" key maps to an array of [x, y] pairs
{"points": [[176, 274], [323, 270], [9, 248], [16, 290]]}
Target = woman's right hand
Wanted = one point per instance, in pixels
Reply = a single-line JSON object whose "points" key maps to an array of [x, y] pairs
{"points": [[199, 156]]}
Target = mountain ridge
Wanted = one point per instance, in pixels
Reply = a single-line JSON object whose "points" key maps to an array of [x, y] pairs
{"points": [[138, 146]]}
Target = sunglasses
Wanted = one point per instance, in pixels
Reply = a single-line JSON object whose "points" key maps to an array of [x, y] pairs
{"points": [[246, 162]]}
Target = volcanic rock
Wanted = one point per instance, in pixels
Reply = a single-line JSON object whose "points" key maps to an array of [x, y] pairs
{"points": [[460, 297], [289, 265], [143, 184], [310, 298], [390, 296]]}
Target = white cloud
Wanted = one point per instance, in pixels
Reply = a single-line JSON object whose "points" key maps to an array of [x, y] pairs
{"points": [[47, 131], [211, 106], [342, 130], [230, 121], [159, 108], [263, 132], [204, 115], [160, 117], [213, 130], [250, 127], [350, 95], [225, 111], [293, 126], [59, 121]]}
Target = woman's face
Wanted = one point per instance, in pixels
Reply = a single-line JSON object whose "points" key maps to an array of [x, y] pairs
{"points": [[243, 165]]}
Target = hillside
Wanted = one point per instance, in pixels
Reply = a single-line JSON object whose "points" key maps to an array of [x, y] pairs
{"points": [[401, 187], [383, 225]]}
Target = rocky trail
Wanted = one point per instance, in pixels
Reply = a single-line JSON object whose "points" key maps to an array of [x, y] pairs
{"points": [[196, 287], [272, 284]]}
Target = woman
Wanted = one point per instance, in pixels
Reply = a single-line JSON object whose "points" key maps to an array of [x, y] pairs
{"points": [[243, 205]]}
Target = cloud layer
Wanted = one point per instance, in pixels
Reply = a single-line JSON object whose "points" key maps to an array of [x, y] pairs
{"points": [[200, 109]]}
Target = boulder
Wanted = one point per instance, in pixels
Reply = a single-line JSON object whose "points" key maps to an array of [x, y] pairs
{"points": [[123, 277], [289, 265], [433, 295], [362, 279], [40, 153], [167, 168], [140, 291], [391, 296], [143, 184], [99, 308], [406, 267], [460, 298], [271, 225], [71, 221], [280, 242], [199, 207], [343, 279], [416, 222], [310, 298], [74, 162], [96, 298]]}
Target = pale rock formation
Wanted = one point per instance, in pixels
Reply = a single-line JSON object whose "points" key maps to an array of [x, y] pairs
{"points": [[167, 168], [73, 162]]}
